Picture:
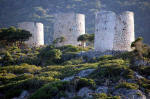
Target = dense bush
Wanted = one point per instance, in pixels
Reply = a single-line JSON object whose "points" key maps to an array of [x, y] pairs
{"points": [[51, 90], [104, 96], [113, 69], [144, 83], [23, 68], [69, 48], [73, 61], [127, 85], [105, 57], [144, 70], [13, 93], [6, 77], [48, 55], [84, 82]]}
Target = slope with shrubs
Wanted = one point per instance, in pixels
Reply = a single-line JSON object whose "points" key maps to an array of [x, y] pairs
{"points": [[45, 79]]}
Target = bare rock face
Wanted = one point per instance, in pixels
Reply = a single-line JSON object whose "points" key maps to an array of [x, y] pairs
{"points": [[129, 94], [82, 73], [85, 73], [141, 63], [138, 76], [85, 92], [102, 89], [68, 78], [70, 26]]}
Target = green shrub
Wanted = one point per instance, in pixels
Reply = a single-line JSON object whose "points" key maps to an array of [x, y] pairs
{"points": [[68, 56], [73, 62], [145, 83], [105, 57], [67, 63], [27, 84], [84, 82], [23, 76], [23, 68], [104, 96], [51, 90], [13, 93], [69, 48], [127, 85], [50, 74], [144, 70], [113, 69], [6, 77], [37, 82]]}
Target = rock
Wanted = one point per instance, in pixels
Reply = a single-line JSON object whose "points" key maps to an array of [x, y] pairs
{"points": [[138, 76], [85, 73], [82, 73], [85, 92], [68, 78], [24, 95], [141, 63], [102, 89], [129, 94], [148, 77], [70, 94]]}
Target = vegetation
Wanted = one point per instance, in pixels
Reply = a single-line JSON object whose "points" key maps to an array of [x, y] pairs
{"points": [[12, 35], [40, 70], [104, 96], [86, 38], [55, 89], [127, 85]]}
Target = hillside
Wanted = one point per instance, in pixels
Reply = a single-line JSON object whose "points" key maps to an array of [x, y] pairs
{"points": [[14, 11], [51, 72]]}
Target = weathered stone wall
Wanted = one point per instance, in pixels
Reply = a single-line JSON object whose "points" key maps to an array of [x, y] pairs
{"points": [[70, 26], [36, 29], [104, 30], [114, 32], [124, 34]]}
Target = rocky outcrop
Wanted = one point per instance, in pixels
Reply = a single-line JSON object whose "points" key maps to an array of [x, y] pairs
{"points": [[102, 89], [138, 76], [82, 73], [85, 92], [129, 94], [23, 95], [141, 63]]}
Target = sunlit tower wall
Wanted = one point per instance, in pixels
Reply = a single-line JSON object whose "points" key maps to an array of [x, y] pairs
{"points": [[124, 35], [70, 26], [37, 31], [104, 31]]}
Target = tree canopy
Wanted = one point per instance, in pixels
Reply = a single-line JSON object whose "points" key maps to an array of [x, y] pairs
{"points": [[13, 35]]}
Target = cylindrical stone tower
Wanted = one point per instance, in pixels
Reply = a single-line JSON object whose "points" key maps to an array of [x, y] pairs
{"points": [[70, 26], [124, 35], [37, 31], [104, 31]]}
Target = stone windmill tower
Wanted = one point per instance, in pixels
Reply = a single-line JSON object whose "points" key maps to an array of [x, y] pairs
{"points": [[37, 31], [70, 26], [114, 32]]}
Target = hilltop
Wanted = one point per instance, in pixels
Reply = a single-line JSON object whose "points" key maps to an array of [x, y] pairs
{"points": [[14, 11]]}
